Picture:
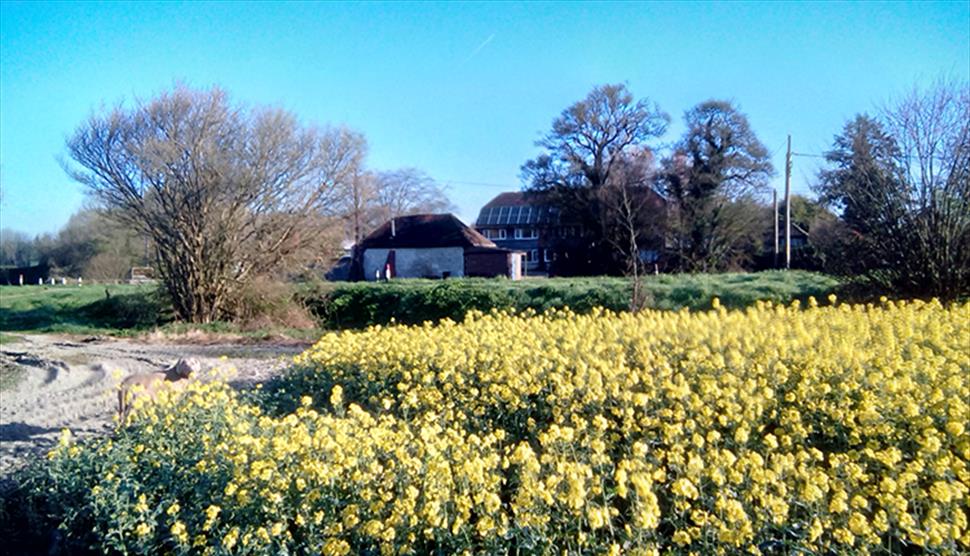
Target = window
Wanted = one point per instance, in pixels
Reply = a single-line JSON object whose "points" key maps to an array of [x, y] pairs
{"points": [[547, 255], [533, 233], [519, 233], [501, 234], [534, 256], [487, 233]]}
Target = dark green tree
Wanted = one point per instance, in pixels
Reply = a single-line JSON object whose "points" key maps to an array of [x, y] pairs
{"points": [[902, 184], [713, 183]]}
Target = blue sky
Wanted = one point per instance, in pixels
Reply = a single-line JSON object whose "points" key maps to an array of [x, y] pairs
{"points": [[460, 90]]}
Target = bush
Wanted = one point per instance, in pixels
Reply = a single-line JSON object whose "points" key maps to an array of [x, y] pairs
{"points": [[266, 303]]}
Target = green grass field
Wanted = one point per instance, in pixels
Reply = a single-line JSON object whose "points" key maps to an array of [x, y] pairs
{"points": [[80, 310], [132, 309]]}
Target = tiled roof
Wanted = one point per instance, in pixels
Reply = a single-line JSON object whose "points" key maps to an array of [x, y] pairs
{"points": [[425, 230]]}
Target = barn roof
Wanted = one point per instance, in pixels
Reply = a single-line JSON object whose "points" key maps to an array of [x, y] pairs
{"points": [[425, 230]]}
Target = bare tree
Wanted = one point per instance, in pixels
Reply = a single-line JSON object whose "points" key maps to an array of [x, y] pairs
{"points": [[372, 198], [634, 216], [592, 135], [358, 202], [627, 205], [932, 129], [224, 192], [409, 191], [591, 143]]}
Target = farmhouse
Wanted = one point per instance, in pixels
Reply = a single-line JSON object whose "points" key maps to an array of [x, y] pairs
{"points": [[432, 246]]}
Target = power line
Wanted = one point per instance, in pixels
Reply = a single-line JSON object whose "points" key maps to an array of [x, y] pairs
{"points": [[517, 188], [813, 155], [482, 184], [780, 147]]}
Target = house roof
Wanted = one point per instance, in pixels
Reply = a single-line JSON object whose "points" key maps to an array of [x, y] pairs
{"points": [[508, 199], [515, 208], [425, 230]]}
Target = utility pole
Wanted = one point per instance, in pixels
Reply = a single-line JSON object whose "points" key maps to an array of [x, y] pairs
{"points": [[358, 207], [788, 206], [774, 202]]}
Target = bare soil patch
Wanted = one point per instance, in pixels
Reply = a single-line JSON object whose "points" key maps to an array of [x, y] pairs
{"points": [[52, 382]]}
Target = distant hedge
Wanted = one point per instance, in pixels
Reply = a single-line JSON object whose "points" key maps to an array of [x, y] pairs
{"points": [[361, 304]]}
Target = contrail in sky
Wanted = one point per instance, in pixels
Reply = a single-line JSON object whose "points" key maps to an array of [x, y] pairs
{"points": [[477, 49]]}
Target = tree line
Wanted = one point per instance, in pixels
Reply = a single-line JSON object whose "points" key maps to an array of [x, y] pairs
{"points": [[91, 245], [215, 195], [892, 207]]}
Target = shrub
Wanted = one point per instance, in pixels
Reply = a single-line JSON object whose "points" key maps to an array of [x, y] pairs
{"points": [[266, 302]]}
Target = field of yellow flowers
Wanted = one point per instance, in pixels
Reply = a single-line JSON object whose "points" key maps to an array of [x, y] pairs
{"points": [[775, 430]]}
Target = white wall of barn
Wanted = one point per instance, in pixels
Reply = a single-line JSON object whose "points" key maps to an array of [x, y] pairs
{"points": [[417, 263]]}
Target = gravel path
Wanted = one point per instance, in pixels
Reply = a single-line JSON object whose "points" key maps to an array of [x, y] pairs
{"points": [[69, 382]]}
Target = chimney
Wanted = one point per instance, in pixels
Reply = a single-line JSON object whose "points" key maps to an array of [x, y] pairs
{"points": [[393, 229]]}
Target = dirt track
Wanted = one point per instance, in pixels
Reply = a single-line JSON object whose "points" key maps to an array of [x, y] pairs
{"points": [[70, 382]]}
